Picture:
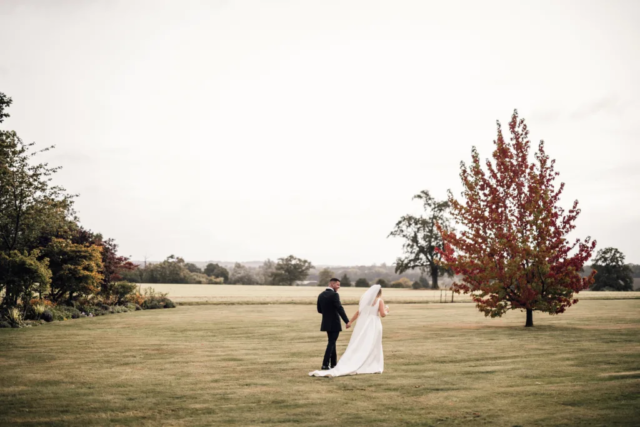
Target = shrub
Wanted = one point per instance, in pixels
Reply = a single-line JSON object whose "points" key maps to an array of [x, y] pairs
{"points": [[4, 324], [137, 297], [199, 278], [120, 309], [121, 291], [47, 316], [416, 285], [71, 312], [37, 310], [87, 309], [362, 283], [64, 313], [152, 305], [403, 282], [40, 301], [22, 275], [29, 323], [154, 300], [14, 316], [58, 314]]}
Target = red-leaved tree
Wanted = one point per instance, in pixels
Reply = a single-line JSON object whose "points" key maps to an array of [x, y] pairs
{"points": [[512, 252]]}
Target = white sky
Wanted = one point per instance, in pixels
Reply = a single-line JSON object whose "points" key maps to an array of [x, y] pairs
{"points": [[243, 131]]}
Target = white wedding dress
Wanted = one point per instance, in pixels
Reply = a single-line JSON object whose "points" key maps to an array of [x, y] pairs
{"points": [[364, 352]]}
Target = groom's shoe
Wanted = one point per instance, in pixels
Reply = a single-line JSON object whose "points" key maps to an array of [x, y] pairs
{"points": [[325, 368]]}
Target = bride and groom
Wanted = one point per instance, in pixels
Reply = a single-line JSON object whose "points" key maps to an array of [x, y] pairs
{"points": [[364, 352]]}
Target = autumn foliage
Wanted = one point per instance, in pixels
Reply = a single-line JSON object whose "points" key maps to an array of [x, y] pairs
{"points": [[512, 250]]}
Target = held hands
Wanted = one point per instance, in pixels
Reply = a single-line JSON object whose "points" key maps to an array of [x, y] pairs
{"points": [[348, 325]]}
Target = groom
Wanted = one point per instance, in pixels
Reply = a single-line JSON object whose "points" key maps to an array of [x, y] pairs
{"points": [[331, 309]]}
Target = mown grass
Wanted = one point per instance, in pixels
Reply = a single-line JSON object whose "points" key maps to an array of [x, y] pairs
{"points": [[445, 364], [239, 294]]}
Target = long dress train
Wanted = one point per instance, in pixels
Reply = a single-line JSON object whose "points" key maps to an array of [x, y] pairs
{"points": [[364, 352]]}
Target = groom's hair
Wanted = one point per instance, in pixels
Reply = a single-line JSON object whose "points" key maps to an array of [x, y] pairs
{"points": [[334, 280]]}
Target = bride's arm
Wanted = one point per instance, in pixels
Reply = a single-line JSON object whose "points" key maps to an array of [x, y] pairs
{"points": [[353, 319], [382, 309]]}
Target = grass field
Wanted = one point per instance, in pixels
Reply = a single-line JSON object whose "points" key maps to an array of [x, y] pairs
{"points": [[243, 365], [238, 294]]}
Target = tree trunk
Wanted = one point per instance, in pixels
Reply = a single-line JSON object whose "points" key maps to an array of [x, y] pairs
{"points": [[434, 276], [529, 318]]}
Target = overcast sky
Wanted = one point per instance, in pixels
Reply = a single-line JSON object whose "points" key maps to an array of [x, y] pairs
{"points": [[240, 131]]}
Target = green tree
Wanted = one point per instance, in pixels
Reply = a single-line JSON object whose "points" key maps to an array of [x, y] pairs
{"points": [[76, 269], [216, 270], [242, 275], [171, 270], [362, 283], [290, 270], [425, 282], [135, 276], [5, 102], [29, 205], [192, 267], [21, 275], [345, 281], [383, 283], [422, 238], [266, 272], [210, 268], [325, 276], [612, 272], [114, 266]]}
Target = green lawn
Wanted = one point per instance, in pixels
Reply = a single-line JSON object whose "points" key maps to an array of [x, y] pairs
{"points": [[246, 365]]}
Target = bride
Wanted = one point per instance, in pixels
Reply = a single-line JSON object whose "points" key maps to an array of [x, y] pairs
{"points": [[364, 352]]}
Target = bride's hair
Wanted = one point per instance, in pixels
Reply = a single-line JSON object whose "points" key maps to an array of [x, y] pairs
{"points": [[379, 293]]}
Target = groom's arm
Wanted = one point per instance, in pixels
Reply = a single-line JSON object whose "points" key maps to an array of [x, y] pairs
{"points": [[338, 305], [319, 308]]}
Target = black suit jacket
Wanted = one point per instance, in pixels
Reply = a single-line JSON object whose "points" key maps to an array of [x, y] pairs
{"points": [[331, 309]]}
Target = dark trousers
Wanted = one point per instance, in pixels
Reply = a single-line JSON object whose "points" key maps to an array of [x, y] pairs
{"points": [[330, 352]]}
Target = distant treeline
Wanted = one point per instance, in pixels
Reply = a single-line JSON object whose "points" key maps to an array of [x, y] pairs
{"points": [[286, 271], [635, 270]]}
